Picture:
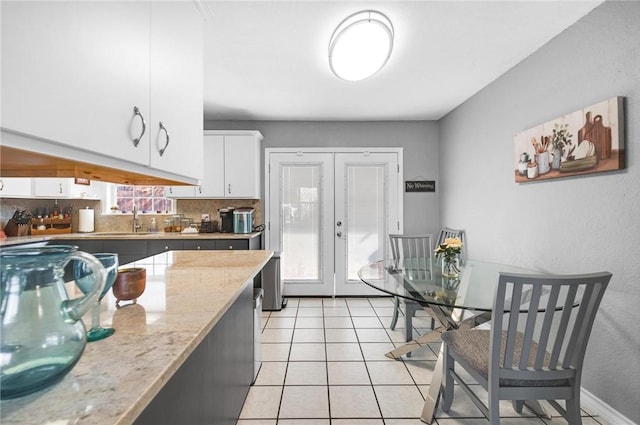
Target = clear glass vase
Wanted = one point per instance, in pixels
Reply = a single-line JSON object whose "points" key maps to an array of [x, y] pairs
{"points": [[450, 268]]}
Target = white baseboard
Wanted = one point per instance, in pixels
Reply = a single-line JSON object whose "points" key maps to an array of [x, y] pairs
{"points": [[599, 408]]}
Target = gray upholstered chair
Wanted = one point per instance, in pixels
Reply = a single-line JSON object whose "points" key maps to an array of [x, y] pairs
{"points": [[412, 250], [534, 355]]}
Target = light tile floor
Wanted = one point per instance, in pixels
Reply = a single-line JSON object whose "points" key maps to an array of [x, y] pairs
{"points": [[324, 364]]}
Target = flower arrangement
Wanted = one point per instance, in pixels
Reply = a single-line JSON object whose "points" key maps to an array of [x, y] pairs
{"points": [[449, 250]]}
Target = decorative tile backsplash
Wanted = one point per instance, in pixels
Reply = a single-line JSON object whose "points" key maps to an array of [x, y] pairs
{"points": [[190, 208]]}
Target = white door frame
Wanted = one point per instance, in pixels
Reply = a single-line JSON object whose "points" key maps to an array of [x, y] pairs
{"points": [[272, 242]]}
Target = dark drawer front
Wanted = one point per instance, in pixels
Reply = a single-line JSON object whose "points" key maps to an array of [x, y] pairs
{"points": [[232, 244], [128, 250], [207, 244], [90, 246], [159, 246]]}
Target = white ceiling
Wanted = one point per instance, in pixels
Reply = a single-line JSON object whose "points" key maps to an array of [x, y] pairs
{"points": [[267, 60]]}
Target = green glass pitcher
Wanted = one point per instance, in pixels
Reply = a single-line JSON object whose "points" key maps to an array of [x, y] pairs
{"points": [[42, 336]]}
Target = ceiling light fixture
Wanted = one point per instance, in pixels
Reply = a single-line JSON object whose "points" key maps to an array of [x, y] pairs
{"points": [[361, 45]]}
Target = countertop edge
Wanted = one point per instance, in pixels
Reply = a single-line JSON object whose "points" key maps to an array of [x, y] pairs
{"points": [[17, 240], [145, 398]]}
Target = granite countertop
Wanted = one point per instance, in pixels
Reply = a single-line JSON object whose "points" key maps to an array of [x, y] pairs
{"points": [[187, 292], [16, 240]]}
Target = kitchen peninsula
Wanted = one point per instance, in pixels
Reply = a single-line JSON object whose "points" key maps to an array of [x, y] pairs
{"points": [[185, 338]]}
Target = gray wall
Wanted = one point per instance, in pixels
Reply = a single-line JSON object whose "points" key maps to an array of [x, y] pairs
{"points": [[418, 138], [573, 225]]}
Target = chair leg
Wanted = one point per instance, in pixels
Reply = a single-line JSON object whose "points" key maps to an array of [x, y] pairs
{"points": [[408, 322], [394, 319], [517, 405], [447, 382], [410, 312], [573, 412], [494, 407]]}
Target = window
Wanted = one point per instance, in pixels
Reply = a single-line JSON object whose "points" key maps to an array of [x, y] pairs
{"points": [[147, 199]]}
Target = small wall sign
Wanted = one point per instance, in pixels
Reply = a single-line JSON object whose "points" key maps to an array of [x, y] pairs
{"points": [[80, 180], [420, 186]]}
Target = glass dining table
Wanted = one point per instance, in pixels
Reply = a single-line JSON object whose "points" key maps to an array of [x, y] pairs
{"points": [[454, 302]]}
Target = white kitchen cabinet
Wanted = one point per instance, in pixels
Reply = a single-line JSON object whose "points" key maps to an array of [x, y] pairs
{"points": [[15, 187], [181, 192], [232, 167], [51, 187], [212, 185], [62, 187], [176, 88], [72, 73], [242, 165], [96, 76]]}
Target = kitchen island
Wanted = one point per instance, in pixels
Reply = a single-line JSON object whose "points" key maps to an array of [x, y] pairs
{"points": [[191, 300]]}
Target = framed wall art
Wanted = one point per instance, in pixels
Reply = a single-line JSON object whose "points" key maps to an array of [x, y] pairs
{"points": [[587, 141]]}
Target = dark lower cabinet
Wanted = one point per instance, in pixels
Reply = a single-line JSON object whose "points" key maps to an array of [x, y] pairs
{"points": [[204, 244], [128, 250], [159, 246], [212, 384], [87, 245]]}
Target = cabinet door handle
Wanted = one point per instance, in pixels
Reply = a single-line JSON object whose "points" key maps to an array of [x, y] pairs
{"points": [[229, 188], [136, 111], [1, 184], [59, 187], [162, 127], [199, 189]]}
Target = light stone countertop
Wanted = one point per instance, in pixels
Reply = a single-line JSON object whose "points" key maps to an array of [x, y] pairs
{"points": [[186, 293], [16, 240]]}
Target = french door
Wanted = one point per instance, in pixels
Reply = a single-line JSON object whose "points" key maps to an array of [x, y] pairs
{"points": [[328, 212]]}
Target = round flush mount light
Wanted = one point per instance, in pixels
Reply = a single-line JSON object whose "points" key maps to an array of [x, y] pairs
{"points": [[360, 45]]}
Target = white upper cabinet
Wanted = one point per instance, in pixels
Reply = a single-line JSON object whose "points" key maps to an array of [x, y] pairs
{"points": [[232, 167], [62, 187], [212, 186], [242, 165], [72, 73], [99, 77], [176, 88], [15, 187]]}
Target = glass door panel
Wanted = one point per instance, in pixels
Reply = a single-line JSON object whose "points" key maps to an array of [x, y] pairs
{"points": [[366, 208], [300, 257], [301, 207]]}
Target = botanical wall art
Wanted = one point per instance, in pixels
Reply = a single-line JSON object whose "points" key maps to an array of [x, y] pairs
{"points": [[586, 141]]}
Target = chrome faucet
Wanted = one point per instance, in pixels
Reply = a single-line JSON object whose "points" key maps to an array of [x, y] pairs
{"points": [[135, 225]]}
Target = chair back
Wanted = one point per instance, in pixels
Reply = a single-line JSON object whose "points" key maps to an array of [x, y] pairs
{"points": [[447, 232], [541, 325], [414, 253]]}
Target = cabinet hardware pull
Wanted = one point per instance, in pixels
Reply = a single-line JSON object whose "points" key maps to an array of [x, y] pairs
{"points": [[59, 187], [199, 189], [1, 184], [162, 127], [136, 111], [229, 188]]}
